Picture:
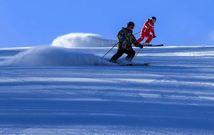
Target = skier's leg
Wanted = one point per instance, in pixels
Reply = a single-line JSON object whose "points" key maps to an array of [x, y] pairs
{"points": [[131, 54], [149, 38], [140, 39], [117, 56]]}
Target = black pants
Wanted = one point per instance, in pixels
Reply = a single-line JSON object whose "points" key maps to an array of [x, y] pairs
{"points": [[120, 52]]}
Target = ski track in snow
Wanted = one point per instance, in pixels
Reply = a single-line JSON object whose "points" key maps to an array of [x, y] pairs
{"points": [[175, 95]]}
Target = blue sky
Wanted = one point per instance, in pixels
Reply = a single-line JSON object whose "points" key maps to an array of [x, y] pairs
{"points": [[39, 22]]}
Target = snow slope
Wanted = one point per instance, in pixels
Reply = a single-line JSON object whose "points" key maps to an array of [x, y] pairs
{"points": [[53, 56], [41, 93]]}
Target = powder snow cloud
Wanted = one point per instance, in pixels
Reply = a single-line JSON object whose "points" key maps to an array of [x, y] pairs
{"points": [[82, 40]]}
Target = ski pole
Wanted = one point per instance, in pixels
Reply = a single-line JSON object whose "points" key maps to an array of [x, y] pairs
{"points": [[137, 32], [109, 50], [137, 53], [115, 45]]}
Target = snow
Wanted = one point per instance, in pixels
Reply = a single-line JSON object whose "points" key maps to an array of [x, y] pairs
{"points": [[53, 56], [71, 91], [82, 40]]}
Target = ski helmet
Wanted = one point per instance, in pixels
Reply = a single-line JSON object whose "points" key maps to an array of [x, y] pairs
{"points": [[130, 24], [153, 19]]}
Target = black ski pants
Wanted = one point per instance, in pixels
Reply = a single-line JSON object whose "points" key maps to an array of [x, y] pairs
{"points": [[120, 52]]}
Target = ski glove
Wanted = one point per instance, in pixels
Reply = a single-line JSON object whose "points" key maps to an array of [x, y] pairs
{"points": [[154, 36], [122, 38], [140, 46]]}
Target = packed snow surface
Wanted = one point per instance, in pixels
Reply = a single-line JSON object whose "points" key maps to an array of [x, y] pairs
{"points": [[73, 91]]}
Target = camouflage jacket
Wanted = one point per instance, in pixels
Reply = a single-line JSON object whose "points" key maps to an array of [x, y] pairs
{"points": [[129, 39]]}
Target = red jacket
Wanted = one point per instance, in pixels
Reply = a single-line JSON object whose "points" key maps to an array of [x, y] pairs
{"points": [[147, 28]]}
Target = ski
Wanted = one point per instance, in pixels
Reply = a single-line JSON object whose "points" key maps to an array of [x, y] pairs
{"points": [[151, 45], [135, 64]]}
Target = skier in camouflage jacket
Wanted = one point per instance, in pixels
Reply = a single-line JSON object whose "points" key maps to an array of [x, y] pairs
{"points": [[125, 41]]}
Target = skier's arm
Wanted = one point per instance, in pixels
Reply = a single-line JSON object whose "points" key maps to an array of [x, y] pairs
{"points": [[146, 25], [153, 32], [134, 41], [120, 36]]}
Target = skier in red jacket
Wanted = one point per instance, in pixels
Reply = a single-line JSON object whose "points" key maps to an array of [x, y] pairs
{"points": [[147, 30]]}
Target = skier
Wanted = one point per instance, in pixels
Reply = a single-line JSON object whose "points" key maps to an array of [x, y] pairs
{"points": [[148, 28], [125, 41]]}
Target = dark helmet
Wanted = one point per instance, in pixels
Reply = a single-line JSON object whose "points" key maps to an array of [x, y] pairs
{"points": [[153, 19], [130, 24]]}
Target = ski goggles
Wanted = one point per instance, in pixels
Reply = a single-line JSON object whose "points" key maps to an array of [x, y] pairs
{"points": [[153, 20], [131, 27]]}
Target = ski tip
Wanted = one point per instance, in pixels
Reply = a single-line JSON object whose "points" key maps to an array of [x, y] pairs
{"points": [[154, 45]]}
